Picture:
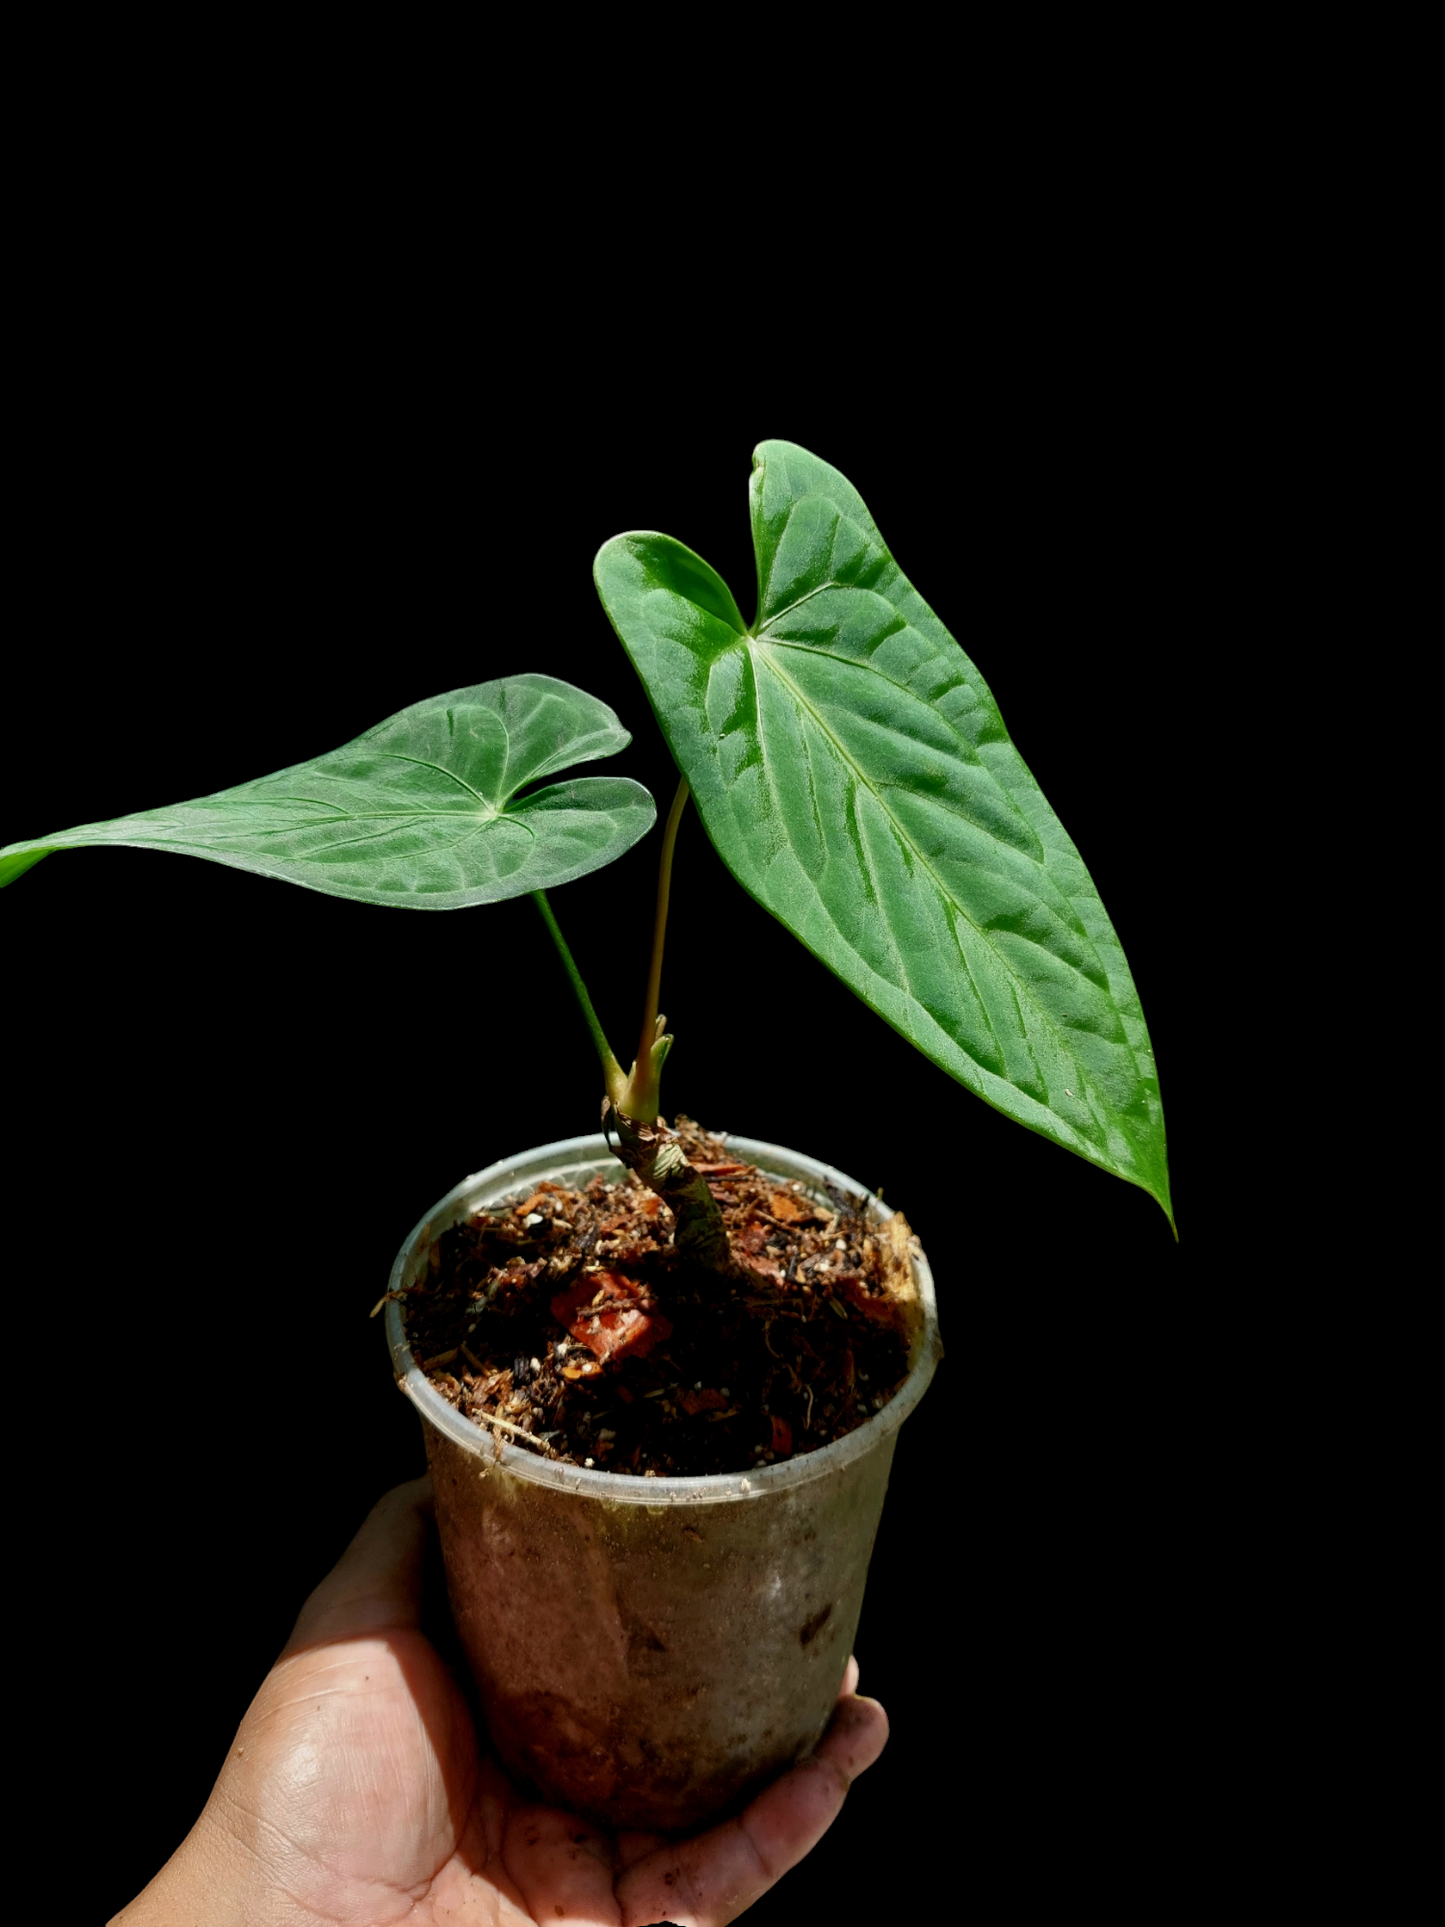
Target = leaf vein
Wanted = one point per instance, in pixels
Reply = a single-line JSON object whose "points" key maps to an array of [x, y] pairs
{"points": [[421, 762], [861, 777]]}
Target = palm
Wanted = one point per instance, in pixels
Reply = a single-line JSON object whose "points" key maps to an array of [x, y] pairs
{"points": [[354, 1792], [365, 1798]]}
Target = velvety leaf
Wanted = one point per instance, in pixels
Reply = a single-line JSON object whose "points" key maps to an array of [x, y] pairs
{"points": [[855, 775], [421, 811]]}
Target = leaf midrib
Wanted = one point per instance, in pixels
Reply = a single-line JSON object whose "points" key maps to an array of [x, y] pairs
{"points": [[488, 815], [1045, 1020], [220, 839]]}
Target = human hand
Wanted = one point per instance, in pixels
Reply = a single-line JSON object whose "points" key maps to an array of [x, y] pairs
{"points": [[354, 1793]]}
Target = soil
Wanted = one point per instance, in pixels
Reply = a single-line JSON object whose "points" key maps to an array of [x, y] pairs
{"points": [[566, 1320]]}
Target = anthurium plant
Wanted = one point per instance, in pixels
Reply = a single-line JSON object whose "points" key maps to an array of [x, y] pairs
{"points": [[852, 771]]}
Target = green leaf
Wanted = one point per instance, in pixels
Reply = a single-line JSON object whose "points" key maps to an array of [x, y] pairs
{"points": [[855, 775], [16, 866], [422, 811]]}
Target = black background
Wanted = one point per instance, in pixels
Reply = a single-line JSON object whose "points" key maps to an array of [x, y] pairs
{"points": [[261, 517]]}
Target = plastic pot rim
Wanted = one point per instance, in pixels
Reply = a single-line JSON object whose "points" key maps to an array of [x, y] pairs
{"points": [[587, 1154]]}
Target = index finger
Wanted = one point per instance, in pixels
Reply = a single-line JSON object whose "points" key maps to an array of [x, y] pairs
{"points": [[710, 1880]]}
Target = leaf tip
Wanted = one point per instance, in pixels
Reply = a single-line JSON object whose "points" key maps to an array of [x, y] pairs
{"points": [[15, 863], [1166, 1205]]}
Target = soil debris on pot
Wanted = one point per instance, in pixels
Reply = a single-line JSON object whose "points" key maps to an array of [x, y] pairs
{"points": [[564, 1318]]}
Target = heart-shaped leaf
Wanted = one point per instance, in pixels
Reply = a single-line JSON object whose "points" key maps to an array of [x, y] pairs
{"points": [[854, 774], [422, 811]]}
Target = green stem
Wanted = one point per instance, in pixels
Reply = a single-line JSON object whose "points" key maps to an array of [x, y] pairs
{"points": [[630, 1108], [613, 1077], [660, 1161], [641, 1098]]}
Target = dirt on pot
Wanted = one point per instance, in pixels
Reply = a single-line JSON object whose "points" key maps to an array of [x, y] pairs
{"points": [[565, 1320]]}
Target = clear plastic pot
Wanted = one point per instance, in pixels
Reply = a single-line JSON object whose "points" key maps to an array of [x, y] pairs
{"points": [[650, 1651]]}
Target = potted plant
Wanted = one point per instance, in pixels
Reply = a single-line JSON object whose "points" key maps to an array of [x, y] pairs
{"points": [[851, 770]]}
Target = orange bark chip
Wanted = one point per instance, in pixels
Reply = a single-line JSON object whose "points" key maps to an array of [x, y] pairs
{"points": [[782, 1437], [881, 1310], [611, 1330], [791, 1210]]}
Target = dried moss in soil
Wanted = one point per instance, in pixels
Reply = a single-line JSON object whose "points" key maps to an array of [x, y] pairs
{"points": [[798, 1347]]}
